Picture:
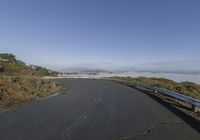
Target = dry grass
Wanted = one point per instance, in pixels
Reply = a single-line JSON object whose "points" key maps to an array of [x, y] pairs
{"points": [[186, 88], [15, 90]]}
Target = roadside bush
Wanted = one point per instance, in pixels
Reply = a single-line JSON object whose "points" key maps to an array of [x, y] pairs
{"points": [[24, 89]]}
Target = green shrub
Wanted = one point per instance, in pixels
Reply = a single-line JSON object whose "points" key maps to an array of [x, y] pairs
{"points": [[7, 56]]}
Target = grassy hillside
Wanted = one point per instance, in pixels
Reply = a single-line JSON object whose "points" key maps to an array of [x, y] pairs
{"points": [[20, 82], [16, 90], [16, 68], [186, 88]]}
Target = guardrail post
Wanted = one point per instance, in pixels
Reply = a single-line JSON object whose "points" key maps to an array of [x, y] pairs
{"points": [[194, 108], [155, 91]]}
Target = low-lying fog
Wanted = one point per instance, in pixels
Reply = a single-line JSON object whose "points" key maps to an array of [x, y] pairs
{"points": [[173, 76]]}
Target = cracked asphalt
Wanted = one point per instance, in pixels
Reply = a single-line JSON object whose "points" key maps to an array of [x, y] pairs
{"points": [[95, 110]]}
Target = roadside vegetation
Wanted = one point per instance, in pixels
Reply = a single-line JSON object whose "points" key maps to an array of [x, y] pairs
{"points": [[20, 82], [9, 66], [15, 90], [186, 88]]}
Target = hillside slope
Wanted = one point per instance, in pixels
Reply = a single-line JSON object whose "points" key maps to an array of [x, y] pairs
{"points": [[20, 82], [13, 67]]}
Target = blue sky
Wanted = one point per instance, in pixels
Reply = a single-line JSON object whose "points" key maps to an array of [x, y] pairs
{"points": [[107, 33]]}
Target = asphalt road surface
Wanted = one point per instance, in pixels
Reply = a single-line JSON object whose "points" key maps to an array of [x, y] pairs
{"points": [[95, 110]]}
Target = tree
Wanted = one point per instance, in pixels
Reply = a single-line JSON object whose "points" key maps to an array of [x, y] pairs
{"points": [[7, 56]]}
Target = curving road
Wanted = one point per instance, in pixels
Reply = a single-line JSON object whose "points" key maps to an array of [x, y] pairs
{"points": [[95, 110]]}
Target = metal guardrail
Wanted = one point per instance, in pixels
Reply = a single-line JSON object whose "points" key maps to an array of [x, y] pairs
{"points": [[194, 102]]}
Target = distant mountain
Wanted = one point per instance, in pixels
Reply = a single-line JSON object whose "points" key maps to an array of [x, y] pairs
{"points": [[88, 71], [176, 66]]}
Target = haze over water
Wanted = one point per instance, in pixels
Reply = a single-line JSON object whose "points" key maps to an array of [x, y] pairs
{"points": [[173, 76]]}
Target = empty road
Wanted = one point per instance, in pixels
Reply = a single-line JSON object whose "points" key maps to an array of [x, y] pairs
{"points": [[95, 110]]}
